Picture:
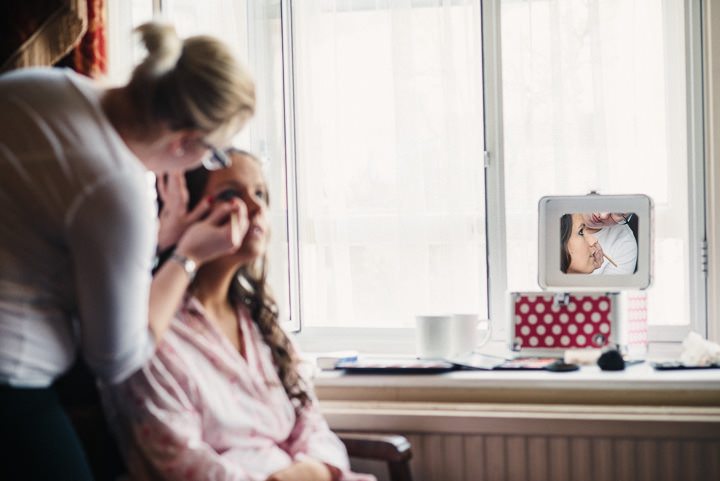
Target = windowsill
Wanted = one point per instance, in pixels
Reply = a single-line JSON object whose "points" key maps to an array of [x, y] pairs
{"points": [[638, 384]]}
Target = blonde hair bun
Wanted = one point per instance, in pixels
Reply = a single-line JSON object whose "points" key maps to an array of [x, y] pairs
{"points": [[196, 83], [163, 45]]}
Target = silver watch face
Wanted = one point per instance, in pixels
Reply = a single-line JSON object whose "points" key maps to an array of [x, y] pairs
{"points": [[188, 264]]}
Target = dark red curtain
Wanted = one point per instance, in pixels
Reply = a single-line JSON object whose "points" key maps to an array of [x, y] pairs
{"points": [[90, 56]]}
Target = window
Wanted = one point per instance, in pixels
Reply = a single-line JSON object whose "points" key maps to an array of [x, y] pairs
{"points": [[599, 96], [389, 149], [375, 117]]}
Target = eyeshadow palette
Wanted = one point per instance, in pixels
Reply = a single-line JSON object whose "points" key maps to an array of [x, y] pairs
{"points": [[396, 366]]}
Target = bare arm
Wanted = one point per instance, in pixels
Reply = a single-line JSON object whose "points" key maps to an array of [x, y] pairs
{"points": [[205, 240], [174, 216]]}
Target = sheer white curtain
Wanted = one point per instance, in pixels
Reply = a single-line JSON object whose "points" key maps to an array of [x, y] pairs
{"points": [[389, 140], [253, 30], [595, 99]]}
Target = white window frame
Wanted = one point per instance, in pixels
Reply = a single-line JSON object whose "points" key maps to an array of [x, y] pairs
{"points": [[293, 214], [396, 340], [696, 180], [711, 50], [494, 168], [700, 17]]}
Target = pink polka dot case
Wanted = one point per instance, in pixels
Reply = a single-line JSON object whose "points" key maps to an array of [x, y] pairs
{"points": [[542, 323]]}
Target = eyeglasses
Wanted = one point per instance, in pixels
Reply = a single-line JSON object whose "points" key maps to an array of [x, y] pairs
{"points": [[217, 159], [621, 219]]}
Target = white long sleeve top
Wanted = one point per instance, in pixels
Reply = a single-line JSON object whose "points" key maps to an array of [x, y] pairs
{"points": [[77, 233], [618, 242]]}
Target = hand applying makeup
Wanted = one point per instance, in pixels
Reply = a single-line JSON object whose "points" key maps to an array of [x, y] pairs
{"points": [[598, 255], [174, 215], [220, 233], [175, 218]]}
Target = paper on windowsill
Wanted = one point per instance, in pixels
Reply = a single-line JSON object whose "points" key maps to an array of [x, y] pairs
{"points": [[698, 351]]}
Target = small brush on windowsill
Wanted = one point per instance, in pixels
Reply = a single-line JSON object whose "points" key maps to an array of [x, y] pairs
{"points": [[611, 261]]}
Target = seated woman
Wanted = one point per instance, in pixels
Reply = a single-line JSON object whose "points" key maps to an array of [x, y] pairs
{"points": [[223, 398], [580, 252]]}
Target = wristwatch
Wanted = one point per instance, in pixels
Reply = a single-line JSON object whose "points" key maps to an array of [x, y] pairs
{"points": [[187, 264]]}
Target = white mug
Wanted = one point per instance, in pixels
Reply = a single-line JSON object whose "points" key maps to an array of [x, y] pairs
{"points": [[468, 332], [433, 336]]}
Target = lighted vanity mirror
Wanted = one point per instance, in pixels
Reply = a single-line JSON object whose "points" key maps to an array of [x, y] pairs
{"points": [[595, 242]]}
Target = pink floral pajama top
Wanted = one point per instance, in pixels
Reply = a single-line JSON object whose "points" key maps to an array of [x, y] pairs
{"points": [[198, 410]]}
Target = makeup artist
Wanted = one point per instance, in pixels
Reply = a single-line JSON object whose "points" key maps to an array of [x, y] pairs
{"points": [[613, 232], [78, 228]]}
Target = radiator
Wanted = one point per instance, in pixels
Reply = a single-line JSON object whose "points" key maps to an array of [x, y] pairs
{"points": [[542, 443], [441, 457]]}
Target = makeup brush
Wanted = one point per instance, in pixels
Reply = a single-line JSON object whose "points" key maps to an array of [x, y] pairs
{"points": [[235, 229], [611, 261]]}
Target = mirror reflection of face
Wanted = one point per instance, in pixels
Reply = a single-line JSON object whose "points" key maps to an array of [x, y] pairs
{"points": [[583, 248], [598, 220]]}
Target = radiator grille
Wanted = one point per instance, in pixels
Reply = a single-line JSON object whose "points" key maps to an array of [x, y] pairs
{"points": [[439, 457], [483, 445]]}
